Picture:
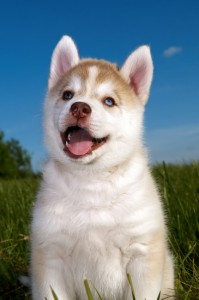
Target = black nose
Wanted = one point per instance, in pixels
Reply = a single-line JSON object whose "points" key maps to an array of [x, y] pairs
{"points": [[80, 110]]}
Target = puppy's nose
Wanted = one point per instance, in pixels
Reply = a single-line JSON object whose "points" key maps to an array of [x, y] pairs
{"points": [[80, 110]]}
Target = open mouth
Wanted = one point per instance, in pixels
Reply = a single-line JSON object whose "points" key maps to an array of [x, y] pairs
{"points": [[78, 142]]}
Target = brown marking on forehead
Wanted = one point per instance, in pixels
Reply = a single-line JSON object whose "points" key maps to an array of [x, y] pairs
{"points": [[110, 72], [78, 70], [106, 72]]}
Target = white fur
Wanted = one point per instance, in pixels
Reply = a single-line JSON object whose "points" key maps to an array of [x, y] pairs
{"points": [[100, 217], [105, 88], [75, 84], [93, 72]]}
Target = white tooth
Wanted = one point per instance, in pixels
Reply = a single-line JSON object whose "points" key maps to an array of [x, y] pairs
{"points": [[69, 136]]}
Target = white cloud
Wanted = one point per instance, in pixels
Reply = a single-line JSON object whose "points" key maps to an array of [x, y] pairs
{"points": [[171, 51]]}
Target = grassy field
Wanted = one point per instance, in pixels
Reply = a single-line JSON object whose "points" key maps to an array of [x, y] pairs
{"points": [[179, 186]]}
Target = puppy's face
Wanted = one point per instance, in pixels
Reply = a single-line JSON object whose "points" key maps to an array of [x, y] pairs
{"points": [[93, 111]]}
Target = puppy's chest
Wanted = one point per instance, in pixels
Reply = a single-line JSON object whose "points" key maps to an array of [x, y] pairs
{"points": [[98, 218], [93, 219], [98, 235]]}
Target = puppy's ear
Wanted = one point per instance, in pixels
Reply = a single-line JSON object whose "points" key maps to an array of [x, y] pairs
{"points": [[138, 71], [64, 57]]}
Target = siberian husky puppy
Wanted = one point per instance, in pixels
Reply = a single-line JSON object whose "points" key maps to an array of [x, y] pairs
{"points": [[98, 214]]}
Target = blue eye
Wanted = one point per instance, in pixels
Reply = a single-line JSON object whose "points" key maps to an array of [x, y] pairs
{"points": [[109, 101]]}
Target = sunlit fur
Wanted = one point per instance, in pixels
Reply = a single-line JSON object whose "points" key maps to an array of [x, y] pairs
{"points": [[99, 216]]}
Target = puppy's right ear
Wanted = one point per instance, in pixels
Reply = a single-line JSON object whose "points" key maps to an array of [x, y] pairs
{"points": [[64, 57]]}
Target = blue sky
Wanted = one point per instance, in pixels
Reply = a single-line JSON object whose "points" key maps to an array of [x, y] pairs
{"points": [[29, 31]]}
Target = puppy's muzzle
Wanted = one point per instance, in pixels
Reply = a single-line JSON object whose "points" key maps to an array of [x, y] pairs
{"points": [[80, 110]]}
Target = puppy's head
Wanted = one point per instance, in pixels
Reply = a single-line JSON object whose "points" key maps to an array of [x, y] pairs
{"points": [[93, 111]]}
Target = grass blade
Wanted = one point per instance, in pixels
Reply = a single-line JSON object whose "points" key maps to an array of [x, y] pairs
{"points": [[131, 285], [88, 291], [99, 296], [54, 294]]}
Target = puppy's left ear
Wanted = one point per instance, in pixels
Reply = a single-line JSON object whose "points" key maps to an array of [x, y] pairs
{"points": [[64, 57], [138, 71]]}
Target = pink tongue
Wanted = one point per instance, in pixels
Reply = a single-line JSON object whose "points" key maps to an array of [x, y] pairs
{"points": [[80, 142]]}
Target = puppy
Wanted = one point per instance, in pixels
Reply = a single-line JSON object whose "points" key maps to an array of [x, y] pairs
{"points": [[98, 214]]}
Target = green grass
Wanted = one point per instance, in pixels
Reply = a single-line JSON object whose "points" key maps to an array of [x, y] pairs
{"points": [[16, 198], [179, 186]]}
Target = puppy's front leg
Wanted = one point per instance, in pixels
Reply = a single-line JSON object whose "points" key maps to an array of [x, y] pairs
{"points": [[48, 273], [146, 271]]}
